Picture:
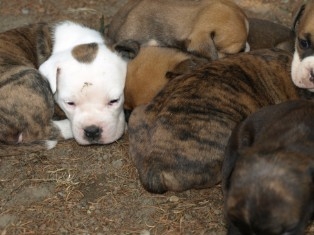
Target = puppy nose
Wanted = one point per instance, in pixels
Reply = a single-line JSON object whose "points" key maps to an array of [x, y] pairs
{"points": [[92, 132]]}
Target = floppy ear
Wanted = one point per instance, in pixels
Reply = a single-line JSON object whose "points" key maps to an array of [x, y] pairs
{"points": [[128, 49], [297, 17], [186, 66], [49, 69]]}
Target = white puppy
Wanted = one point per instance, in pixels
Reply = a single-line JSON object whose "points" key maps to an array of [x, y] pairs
{"points": [[87, 79], [302, 70]]}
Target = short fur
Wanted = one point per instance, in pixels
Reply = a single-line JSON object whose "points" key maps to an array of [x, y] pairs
{"points": [[208, 28], [302, 71], [151, 69], [265, 34], [177, 141], [26, 98], [268, 171], [26, 101]]}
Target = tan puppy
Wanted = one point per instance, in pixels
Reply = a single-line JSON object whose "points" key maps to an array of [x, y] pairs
{"points": [[266, 34], [209, 28], [268, 171], [177, 141], [151, 69], [303, 60]]}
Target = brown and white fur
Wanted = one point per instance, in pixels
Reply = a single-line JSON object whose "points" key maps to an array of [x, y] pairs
{"points": [[26, 97], [302, 71]]}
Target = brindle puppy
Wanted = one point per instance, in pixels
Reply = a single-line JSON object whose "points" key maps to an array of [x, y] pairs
{"points": [[177, 141], [268, 171], [26, 101]]}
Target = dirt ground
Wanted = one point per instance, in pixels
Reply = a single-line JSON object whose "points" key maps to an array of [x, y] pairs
{"points": [[95, 190]]}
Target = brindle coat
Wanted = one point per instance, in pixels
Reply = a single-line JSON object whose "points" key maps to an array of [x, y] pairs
{"points": [[177, 140], [26, 101], [268, 171]]}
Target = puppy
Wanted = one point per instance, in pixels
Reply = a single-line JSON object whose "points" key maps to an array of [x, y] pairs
{"points": [[207, 28], [26, 101], [303, 59], [151, 69], [87, 79], [268, 171], [265, 34], [177, 140], [76, 62]]}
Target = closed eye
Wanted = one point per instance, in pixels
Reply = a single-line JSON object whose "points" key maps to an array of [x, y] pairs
{"points": [[111, 102], [70, 103]]}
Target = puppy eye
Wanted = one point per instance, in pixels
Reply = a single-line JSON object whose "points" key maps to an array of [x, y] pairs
{"points": [[304, 44], [70, 103], [111, 102]]}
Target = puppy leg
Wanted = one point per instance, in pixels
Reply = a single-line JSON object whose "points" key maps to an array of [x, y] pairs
{"points": [[202, 44], [65, 128]]}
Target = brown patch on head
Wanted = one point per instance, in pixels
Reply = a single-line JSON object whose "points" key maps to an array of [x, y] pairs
{"points": [[85, 53]]}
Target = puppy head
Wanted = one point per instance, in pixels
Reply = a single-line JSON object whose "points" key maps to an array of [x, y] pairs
{"points": [[303, 61], [88, 84], [269, 195], [145, 77]]}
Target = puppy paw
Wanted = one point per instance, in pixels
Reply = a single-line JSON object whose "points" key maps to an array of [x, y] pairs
{"points": [[50, 144], [65, 128]]}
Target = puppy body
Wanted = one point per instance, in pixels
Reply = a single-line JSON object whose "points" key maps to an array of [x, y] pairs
{"points": [[151, 69], [177, 140], [207, 27], [76, 62], [26, 102], [265, 34], [268, 171], [303, 59]]}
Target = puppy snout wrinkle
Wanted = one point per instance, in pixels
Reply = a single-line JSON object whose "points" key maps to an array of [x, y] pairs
{"points": [[92, 132]]}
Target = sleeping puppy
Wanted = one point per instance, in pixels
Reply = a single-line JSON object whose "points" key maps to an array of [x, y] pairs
{"points": [[265, 34], [26, 101], [207, 28], [303, 59], [77, 63], [268, 171], [151, 69], [177, 140], [87, 79]]}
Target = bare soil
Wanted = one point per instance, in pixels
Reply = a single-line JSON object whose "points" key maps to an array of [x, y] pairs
{"points": [[74, 189]]}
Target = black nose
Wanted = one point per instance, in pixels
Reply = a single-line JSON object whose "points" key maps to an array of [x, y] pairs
{"points": [[92, 132]]}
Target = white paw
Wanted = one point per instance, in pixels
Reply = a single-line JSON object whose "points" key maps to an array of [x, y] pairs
{"points": [[65, 128], [50, 144]]}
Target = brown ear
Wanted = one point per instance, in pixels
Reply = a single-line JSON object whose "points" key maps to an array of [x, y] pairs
{"points": [[186, 66], [297, 16], [128, 49]]}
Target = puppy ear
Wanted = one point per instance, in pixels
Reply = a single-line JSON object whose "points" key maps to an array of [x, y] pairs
{"points": [[186, 66], [297, 17], [128, 49], [49, 69]]}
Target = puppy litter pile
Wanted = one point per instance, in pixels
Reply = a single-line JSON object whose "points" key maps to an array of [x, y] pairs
{"points": [[95, 190]]}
